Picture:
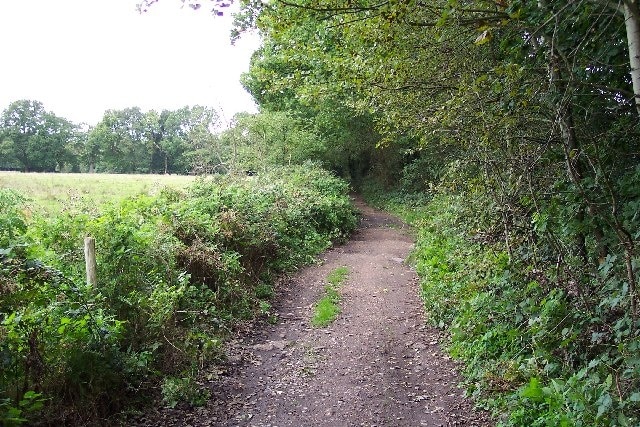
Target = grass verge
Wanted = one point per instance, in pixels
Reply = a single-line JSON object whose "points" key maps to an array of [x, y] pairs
{"points": [[327, 308], [52, 192]]}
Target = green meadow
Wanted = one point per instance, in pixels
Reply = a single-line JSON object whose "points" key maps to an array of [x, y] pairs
{"points": [[52, 191]]}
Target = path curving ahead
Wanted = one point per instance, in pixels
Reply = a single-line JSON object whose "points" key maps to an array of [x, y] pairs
{"points": [[378, 364]]}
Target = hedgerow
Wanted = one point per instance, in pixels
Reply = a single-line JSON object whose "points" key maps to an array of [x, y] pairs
{"points": [[175, 272]]}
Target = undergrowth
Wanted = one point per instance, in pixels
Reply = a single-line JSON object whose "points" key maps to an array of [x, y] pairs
{"points": [[542, 343], [176, 271]]}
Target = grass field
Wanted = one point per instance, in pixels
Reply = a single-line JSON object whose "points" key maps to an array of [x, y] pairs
{"points": [[51, 191]]}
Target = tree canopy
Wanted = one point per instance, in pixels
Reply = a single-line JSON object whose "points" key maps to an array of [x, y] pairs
{"points": [[33, 139]]}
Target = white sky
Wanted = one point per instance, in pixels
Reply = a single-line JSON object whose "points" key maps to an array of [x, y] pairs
{"points": [[82, 57]]}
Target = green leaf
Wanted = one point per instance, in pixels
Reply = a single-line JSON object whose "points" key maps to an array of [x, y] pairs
{"points": [[622, 419], [533, 391], [604, 404]]}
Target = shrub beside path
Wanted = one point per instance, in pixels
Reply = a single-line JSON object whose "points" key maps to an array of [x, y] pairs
{"points": [[378, 364]]}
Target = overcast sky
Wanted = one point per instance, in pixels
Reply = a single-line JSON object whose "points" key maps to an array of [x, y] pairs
{"points": [[82, 57]]}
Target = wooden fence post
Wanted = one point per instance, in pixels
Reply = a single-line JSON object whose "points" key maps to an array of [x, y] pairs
{"points": [[90, 260]]}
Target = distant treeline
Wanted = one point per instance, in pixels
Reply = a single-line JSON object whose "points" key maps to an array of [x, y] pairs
{"points": [[184, 141], [125, 141]]}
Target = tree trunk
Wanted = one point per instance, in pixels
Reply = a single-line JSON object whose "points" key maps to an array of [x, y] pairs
{"points": [[570, 144], [632, 24], [574, 169]]}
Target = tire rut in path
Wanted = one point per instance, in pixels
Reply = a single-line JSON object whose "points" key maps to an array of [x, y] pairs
{"points": [[378, 364]]}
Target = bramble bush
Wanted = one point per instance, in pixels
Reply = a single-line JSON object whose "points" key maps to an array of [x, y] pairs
{"points": [[175, 271]]}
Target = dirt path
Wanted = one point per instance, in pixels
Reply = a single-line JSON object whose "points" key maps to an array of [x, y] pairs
{"points": [[376, 365]]}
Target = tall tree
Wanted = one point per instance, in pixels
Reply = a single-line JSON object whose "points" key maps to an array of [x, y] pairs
{"points": [[259, 141], [176, 134], [632, 25], [34, 138], [122, 138], [196, 126]]}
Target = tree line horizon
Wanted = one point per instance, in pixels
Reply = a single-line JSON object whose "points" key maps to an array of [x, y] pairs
{"points": [[128, 140]]}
